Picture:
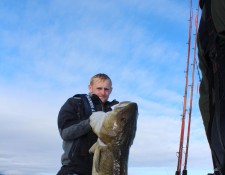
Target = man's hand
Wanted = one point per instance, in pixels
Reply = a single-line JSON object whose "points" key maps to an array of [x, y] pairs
{"points": [[96, 121]]}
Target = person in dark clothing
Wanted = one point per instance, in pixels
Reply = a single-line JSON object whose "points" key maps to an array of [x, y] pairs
{"points": [[211, 53], [74, 125]]}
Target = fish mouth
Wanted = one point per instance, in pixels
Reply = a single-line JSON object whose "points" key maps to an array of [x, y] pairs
{"points": [[128, 115], [128, 109], [120, 125], [126, 105]]}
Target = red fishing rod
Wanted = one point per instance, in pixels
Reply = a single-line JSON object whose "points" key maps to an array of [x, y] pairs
{"points": [[180, 152], [191, 96]]}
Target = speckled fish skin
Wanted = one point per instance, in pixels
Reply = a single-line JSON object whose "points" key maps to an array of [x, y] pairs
{"points": [[116, 135]]}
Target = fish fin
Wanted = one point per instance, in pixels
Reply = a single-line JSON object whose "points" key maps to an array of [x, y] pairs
{"points": [[93, 147], [97, 149], [97, 159]]}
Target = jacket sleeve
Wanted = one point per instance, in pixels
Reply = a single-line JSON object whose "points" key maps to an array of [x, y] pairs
{"points": [[70, 124]]}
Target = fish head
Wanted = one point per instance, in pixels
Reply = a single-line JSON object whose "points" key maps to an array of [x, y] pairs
{"points": [[120, 124]]}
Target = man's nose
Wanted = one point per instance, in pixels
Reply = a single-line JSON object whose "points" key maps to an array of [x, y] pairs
{"points": [[103, 91]]}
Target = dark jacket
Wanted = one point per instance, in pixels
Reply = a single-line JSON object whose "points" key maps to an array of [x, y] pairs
{"points": [[76, 132]]}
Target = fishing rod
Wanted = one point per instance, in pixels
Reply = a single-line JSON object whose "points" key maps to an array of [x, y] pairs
{"points": [[184, 172], [180, 152]]}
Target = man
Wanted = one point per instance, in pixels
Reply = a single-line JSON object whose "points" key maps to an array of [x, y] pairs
{"points": [[74, 125], [211, 52]]}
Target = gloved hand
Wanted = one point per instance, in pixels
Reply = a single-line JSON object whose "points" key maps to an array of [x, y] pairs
{"points": [[96, 121]]}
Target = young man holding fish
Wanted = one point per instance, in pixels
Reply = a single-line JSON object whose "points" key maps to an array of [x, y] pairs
{"points": [[74, 125]]}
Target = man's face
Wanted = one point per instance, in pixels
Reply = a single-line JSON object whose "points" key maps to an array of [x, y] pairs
{"points": [[101, 88]]}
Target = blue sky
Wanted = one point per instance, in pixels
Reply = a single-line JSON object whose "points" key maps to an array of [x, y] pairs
{"points": [[49, 49]]}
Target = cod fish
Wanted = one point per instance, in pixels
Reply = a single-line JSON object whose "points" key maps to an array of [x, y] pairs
{"points": [[116, 135]]}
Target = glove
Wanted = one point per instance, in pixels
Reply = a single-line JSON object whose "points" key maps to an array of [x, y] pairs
{"points": [[96, 121]]}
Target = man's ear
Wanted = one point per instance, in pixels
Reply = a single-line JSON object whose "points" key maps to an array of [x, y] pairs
{"points": [[90, 88]]}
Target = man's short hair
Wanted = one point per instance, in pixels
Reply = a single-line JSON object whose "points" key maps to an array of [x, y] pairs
{"points": [[100, 76]]}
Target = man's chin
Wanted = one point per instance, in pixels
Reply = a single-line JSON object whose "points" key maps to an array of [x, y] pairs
{"points": [[103, 100]]}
